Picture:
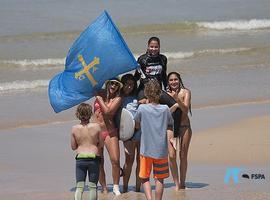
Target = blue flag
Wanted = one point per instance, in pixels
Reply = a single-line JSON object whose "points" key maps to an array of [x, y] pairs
{"points": [[100, 53]]}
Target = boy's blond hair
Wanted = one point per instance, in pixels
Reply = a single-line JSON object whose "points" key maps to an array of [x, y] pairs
{"points": [[152, 90], [84, 111]]}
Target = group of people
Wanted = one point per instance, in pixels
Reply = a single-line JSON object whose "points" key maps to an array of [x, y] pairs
{"points": [[162, 129]]}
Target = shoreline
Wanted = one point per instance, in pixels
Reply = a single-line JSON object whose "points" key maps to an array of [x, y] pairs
{"points": [[63, 118]]}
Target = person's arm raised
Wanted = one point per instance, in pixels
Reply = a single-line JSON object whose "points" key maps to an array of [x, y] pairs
{"points": [[174, 107], [184, 106], [109, 110]]}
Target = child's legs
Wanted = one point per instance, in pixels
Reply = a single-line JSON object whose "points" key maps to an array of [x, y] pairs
{"points": [[79, 190], [159, 189], [81, 172], [145, 170], [92, 191], [185, 141], [129, 155], [161, 171], [93, 174], [147, 188], [112, 145]]}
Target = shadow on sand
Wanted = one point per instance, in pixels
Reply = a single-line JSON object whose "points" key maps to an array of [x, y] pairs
{"points": [[190, 185]]}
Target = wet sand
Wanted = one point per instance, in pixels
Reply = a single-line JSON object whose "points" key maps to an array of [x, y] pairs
{"points": [[37, 162]]}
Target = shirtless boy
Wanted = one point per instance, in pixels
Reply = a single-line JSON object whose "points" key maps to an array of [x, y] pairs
{"points": [[86, 141]]}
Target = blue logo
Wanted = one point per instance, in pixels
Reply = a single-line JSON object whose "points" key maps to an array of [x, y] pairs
{"points": [[232, 173]]}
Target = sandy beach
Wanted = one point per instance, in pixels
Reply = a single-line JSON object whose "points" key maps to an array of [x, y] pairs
{"points": [[37, 162], [221, 48], [241, 143]]}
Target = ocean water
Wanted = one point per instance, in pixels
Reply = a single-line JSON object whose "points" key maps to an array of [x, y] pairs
{"points": [[221, 48]]}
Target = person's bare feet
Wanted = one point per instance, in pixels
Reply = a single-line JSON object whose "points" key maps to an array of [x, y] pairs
{"points": [[177, 188]]}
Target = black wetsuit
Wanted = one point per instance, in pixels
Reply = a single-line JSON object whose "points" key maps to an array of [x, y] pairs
{"points": [[152, 67], [155, 67]]}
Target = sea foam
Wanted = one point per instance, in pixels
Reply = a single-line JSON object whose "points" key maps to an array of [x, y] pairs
{"points": [[36, 62], [23, 85], [252, 24], [55, 62]]}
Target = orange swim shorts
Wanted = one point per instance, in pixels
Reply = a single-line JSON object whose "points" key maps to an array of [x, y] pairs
{"points": [[160, 167]]}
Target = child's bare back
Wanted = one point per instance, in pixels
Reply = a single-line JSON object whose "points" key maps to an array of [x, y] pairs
{"points": [[87, 138]]}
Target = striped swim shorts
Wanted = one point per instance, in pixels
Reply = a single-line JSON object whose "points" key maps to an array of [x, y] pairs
{"points": [[160, 167]]}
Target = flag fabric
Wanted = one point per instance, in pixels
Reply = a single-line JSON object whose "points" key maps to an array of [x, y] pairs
{"points": [[100, 53]]}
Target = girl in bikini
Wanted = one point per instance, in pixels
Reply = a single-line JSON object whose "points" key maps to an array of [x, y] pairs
{"points": [[181, 143], [105, 107]]}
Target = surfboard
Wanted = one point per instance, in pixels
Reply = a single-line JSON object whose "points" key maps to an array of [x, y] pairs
{"points": [[127, 125]]}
